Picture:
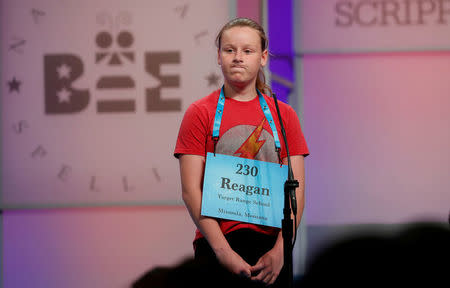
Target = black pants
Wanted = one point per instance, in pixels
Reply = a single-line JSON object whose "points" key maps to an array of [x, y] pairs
{"points": [[250, 245]]}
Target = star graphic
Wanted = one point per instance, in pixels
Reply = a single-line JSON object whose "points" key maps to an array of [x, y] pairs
{"points": [[14, 85], [213, 79], [64, 95], [64, 71]]}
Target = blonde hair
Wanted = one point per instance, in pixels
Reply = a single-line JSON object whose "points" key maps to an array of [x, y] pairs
{"points": [[246, 22]]}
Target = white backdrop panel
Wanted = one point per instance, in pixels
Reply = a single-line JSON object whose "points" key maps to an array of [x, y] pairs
{"points": [[93, 95]]}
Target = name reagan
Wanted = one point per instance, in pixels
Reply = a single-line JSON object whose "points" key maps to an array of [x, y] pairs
{"points": [[247, 189]]}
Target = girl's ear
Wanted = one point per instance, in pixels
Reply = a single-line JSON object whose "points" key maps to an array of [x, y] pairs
{"points": [[264, 57], [219, 62]]}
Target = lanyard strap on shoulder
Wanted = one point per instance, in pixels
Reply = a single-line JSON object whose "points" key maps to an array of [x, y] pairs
{"points": [[218, 116], [265, 109], [269, 118]]}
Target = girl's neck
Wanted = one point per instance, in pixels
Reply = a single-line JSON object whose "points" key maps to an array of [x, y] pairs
{"points": [[244, 94]]}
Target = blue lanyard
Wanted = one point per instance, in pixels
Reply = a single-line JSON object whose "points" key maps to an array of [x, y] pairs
{"points": [[265, 109]]}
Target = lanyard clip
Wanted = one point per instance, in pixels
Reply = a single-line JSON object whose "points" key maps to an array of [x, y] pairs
{"points": [[215, 140], [278, 150]]}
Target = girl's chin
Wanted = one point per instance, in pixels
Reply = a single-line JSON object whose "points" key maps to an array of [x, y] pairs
{"points": [[239, 84], [240, 81]]}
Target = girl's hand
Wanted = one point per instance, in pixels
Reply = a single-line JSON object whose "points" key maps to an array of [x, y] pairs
{"points": [[234, 263], [268, 267]]}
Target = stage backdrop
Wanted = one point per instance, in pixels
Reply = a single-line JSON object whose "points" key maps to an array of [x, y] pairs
{"points": [[379, 130], [377, 124], [93, 93], [378, 25]]}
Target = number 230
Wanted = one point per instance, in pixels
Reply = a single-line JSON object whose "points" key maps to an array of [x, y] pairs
{"points": [[247, 170]]}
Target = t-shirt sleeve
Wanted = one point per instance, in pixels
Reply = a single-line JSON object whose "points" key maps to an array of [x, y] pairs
{"points": [[294, 134], [193, 132]]}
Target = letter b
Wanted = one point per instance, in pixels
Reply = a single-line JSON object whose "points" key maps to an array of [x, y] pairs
{"points": [[60, 71]]}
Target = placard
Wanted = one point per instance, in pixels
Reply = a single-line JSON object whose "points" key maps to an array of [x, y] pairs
{"points": [[244, 190]]}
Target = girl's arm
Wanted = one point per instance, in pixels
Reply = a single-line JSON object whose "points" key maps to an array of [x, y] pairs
{"points": [[192, 170]]}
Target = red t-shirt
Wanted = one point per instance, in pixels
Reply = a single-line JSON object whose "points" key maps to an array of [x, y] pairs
{"points": [[244, 132]]}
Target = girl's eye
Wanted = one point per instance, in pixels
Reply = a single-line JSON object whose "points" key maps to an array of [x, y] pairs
{"points": [[248, 51]]}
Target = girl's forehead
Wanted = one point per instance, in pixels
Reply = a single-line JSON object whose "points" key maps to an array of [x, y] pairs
{"points": [[241, 35]]}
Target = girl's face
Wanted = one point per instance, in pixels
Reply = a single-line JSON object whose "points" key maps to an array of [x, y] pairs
{"points": [[240, 55]]}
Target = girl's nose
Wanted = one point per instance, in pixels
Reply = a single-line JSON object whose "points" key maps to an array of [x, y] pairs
{"points": [[238, 56]]}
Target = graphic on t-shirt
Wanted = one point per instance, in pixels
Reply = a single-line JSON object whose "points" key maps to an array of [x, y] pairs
{"points": [[248, 141], [252, 146]]}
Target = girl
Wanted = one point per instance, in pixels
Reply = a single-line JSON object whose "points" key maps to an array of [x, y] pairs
{"points": [[233, 252]]}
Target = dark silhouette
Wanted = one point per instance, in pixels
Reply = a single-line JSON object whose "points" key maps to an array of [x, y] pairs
{"points": [[416, 255], [188, 273]]}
